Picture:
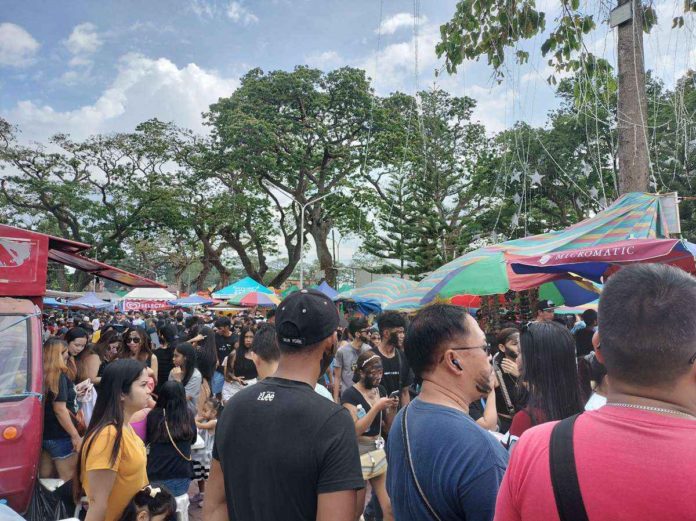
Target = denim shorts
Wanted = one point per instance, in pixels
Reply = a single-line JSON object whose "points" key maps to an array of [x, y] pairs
{"points": [[177, 486], [59, 448]]}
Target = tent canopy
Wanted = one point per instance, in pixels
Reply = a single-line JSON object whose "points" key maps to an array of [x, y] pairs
{"points": [[291, 289], [149, 294], [91, 301], [485, 271], [241, 287], [595, 262], [191, 301], [378, 294], [327, 290]]}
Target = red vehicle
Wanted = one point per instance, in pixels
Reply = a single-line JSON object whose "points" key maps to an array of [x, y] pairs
{"points": [[24, 257]]}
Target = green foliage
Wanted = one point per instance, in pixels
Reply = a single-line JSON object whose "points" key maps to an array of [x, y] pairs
{"points": [[489, 27], [304, 133]]}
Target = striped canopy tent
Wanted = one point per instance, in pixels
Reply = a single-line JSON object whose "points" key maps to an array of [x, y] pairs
{"points": [[377, 295], [577, 310], [486, 272], [563, 291]]}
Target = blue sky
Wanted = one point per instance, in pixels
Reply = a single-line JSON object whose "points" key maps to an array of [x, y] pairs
{"points": [[86, 67]]}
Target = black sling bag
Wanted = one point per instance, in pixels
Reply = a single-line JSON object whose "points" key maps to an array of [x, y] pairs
{"points": [[564, 475]]}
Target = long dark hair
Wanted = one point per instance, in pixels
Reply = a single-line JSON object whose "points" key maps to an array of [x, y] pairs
{"points": [[117, 379], [206, 353], [107, 337], [145, 347], [242, 350], [169, 334], [74, 333], [172, 400], [189, 354], [549, 369]]}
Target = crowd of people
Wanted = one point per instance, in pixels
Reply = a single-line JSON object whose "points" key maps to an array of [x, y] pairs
{"points": [[304, 414]]}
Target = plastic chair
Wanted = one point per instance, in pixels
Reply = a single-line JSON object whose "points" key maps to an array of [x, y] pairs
{"points": [[182, 506], [51, 483]]}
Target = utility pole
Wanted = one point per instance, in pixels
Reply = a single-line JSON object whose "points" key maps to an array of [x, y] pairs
{"points": [[634, 160]]}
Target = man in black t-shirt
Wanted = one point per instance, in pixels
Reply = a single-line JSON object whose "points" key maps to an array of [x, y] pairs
{"points": [[397, 373], [281, 450], [224, 342]]}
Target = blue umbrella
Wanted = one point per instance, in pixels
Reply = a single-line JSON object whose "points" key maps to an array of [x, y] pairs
{"points": [[191, 301]]}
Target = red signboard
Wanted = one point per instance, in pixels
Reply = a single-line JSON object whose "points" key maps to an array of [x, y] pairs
{"points": [[23, 265]]}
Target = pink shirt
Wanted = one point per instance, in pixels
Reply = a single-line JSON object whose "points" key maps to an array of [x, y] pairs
{"points": [[632, 465], [140, 428]]}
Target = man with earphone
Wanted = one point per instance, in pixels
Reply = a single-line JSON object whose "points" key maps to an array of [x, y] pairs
{"points": [[442, 465]]}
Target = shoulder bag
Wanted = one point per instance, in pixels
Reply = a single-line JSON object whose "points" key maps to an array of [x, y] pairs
{"points": [[409, 459]]}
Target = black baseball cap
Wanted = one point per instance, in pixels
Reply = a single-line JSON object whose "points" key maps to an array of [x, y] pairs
{"points": [[305, 317], [545, 305]]}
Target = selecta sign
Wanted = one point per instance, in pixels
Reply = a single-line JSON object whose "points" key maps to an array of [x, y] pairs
{"points": [[144, 305]]}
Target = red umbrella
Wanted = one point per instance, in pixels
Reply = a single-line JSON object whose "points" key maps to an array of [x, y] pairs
{"points": [[471, 301]]}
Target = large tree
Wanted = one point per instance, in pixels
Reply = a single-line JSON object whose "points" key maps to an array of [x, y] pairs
{"points": [[428, 203], [100, 191], [301, 133]]}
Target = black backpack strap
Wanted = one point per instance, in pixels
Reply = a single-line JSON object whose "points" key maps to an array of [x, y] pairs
{"points": [[564, 475]]}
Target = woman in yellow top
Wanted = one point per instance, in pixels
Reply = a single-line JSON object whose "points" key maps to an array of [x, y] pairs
{"points": [[113, 459]]}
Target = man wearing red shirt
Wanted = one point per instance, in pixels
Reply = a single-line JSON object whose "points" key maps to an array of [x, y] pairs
{"points": [[635, 457]]}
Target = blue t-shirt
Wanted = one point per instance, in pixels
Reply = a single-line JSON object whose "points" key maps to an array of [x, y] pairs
{"points": [[459, 465]]}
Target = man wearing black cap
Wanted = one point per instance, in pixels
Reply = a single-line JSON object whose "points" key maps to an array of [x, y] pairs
{"points": [[545, 311], [281, 450]]}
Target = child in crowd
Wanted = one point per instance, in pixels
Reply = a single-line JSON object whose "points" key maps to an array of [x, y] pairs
{"points": [[205, 422], [151, 504]]}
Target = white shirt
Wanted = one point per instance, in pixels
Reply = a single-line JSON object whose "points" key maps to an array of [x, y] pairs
{"points": [[595, 402]]}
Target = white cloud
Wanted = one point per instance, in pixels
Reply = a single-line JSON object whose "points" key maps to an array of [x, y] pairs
{"points": [[84, 40], [324, 60], [144, 88], [392, 68], [398, 21], [238, 13], [17, 46], [202, 8]]}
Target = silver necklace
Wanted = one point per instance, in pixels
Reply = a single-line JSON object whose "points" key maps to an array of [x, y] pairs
{"points": [[653, 409]]}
